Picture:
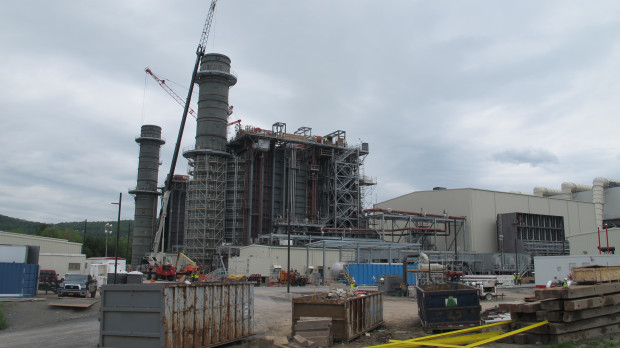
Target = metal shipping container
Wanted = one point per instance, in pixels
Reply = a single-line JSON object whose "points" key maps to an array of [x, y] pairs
{"points": [[350, 317], [364, 272], [448, 306], [18, 279], [175, 315]]}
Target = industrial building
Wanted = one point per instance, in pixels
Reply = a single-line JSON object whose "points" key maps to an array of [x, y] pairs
{"points": [[505, 230], [57, 254]]}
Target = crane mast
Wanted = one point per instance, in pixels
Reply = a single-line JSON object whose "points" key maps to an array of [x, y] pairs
{"points": [[200, 50]]}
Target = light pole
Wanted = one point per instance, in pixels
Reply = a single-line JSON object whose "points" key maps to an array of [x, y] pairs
{"points": [[118, 233], [107, 231]]}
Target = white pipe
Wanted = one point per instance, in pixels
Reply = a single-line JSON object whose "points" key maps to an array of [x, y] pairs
{"points": [[546, 192], [598, 198], [568, 188], [424, 256]]}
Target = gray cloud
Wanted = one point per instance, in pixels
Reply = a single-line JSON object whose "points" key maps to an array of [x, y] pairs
{"points": [[446, 93], [533, 157]]}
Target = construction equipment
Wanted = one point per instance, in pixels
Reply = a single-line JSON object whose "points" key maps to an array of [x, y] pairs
{"points": [[157, 262], [169, 90], [189, 268], [293, 277]]}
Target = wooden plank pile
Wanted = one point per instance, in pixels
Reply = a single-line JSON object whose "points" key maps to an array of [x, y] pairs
{"points": [[575, 313], [313, 332]]}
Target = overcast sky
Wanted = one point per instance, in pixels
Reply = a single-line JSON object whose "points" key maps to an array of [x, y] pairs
{"points": [[498, 95]]}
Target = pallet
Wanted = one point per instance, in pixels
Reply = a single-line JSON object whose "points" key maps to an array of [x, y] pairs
{"points": [[574, 313]]}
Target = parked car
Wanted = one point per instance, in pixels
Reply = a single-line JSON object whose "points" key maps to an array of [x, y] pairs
{"points": [[78, 285]]}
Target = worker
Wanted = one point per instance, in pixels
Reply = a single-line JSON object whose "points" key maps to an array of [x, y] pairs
{"points": [[565, 282], [519, 279], [514, 278]]}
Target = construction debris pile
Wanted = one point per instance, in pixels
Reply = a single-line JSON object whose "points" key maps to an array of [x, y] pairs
{"points": [[342, 294], [574, 313], [313, 332]]}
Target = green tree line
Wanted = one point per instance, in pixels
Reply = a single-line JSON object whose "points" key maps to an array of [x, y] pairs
{"points": [[95, 244]]}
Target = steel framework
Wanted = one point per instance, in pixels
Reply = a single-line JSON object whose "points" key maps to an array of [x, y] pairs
{"points": [[205, 208]]}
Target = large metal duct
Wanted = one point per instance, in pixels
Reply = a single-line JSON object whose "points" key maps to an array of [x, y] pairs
{"points": [[598, 198], [568, 188], [546, 192], [206, 191], [146, 192]]}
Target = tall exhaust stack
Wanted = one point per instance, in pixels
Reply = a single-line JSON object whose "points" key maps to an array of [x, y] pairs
{"points": [[146, 193], [206, 192]]}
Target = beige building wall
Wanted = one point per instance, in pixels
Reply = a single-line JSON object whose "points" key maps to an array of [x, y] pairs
{"points": [[57, 254], [480, 207], [261, 259], [63, 263]]}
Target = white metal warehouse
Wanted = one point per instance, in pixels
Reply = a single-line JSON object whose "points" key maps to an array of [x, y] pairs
{"points": [[57, 254], [580, 212]]}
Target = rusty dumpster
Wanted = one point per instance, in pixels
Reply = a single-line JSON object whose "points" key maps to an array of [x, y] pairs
{"points": [[351, 317], [175, 315], [448, 306]]}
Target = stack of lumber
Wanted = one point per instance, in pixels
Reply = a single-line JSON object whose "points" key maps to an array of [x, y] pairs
{"points": [[317, 331], [574, 313]]}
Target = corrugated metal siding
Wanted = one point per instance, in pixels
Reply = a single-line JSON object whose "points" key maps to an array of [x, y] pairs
{"points": [[363, 273], [18, 279], [175, 315]]}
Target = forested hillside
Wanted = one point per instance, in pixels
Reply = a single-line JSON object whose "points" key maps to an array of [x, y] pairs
{"points": [[74, 232]]}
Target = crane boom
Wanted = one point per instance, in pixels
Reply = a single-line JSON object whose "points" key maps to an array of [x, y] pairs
{"points": [[169, 90], [167, 186]]}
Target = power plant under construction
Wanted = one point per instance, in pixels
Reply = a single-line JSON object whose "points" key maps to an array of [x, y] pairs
{"points": [[276, 187], [251, 189]]}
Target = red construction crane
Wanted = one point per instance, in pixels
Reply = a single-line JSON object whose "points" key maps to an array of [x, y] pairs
{"points": [[170, 91], [176, 97]]}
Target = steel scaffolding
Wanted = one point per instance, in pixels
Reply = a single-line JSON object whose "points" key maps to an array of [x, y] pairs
{"points": [[206, 203]]}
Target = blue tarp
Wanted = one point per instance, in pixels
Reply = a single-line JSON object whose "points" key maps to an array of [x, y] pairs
{"points": [[363, 272], [18, 279]]}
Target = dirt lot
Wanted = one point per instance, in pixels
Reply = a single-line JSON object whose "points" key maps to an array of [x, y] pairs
{"points": [[272, 318]]}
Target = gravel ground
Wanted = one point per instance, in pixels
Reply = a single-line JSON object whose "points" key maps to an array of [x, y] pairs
{"points": [[272, 316], [37, 312]]}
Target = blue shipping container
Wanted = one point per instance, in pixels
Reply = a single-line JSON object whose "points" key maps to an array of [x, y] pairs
{"points": [[363, 273], [18, 279]]}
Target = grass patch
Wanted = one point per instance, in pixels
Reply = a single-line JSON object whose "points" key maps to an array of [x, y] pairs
{"points": [[3, 322]]}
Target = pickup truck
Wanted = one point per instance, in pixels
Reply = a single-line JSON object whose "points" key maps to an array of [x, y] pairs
{"points": [[78, 285]]}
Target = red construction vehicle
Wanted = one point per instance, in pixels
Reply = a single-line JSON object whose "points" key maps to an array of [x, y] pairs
{"points": [[293, 277]]}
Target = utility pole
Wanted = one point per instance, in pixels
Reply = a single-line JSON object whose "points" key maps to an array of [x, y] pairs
{"points": [[84, 241], [288, 247]]}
